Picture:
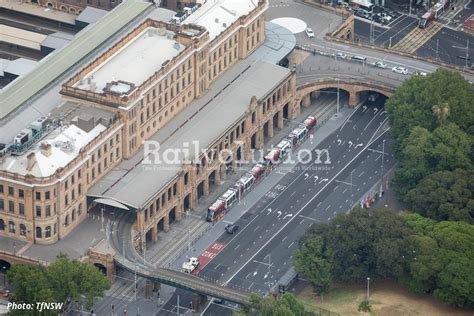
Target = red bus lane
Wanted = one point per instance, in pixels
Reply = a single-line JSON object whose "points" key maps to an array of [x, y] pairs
{"points": [[210, 253]]}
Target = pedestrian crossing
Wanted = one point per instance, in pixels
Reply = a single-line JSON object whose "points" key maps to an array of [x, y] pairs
{"points": [[417, 38]]}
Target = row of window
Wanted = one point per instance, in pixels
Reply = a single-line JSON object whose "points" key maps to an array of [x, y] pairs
{"points": [[12, 229], [161, 202]]}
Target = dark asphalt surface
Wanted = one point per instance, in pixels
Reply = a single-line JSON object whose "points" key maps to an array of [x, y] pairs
{"points": [[258, 256], [451, 44]]}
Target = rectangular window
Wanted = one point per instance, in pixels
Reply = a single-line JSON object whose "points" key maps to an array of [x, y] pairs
{"points": [[47, 195], [73, 179], [11, 207], [21, 208], [1, 188], [11, 191], [66, 185], [38, 196], [48, 210], [66, 200], [21, 193], [2, 204], [38, 211]]}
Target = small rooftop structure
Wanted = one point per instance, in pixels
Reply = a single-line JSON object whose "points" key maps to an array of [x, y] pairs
{"points": [[133, 64], [17, 67], [57, 40], [224, 104], [90, 15], [279, 42], [65, 132], [218, 15]]}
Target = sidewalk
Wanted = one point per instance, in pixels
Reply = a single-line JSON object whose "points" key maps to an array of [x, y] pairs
{"points": [[193, 234]]}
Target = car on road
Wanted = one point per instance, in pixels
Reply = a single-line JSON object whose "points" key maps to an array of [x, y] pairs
{"points": [[373, 97], [309, 32], [231, 228], [341, 55], [380, 64], [360, 59], [362, 13], [420, 73], [347, 6], [400, 70]]}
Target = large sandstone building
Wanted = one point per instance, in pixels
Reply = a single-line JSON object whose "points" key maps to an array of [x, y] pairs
{"points": [[166, 83]]}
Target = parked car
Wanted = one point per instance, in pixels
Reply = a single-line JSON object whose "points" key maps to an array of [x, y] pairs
{"points": [[309, 32], [380, 64], [400, 70], [341, 55], [231, 228]]}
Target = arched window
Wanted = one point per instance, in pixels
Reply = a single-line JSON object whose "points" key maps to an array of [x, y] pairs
{"points": [[22, 230], [11, 227], [47, 232], [2, 224], [73, 216], [39, 233], [66, 220], [79, 209]]}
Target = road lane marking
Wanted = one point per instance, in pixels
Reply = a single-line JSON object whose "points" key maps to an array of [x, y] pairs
{"points": [[300, 210]]}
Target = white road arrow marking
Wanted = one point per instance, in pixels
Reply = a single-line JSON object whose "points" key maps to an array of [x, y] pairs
{"points": [[376, 110], [350, 144], [279, 213], [306, 175], [364, 108], [323, 180], [339, 142], [358, 145], [287, 215], [316, 178], [269, 211]]}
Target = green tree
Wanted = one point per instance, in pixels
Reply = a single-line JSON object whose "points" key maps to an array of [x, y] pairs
{"points": [[414, 104], [445, 195], [313, 263], [442, 260], [365, 307], [286, 305], [423, 153], [31, 286], [62, 280]]}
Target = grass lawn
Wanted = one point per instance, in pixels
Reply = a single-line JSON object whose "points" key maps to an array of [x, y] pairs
{"points": [[387, 299]]}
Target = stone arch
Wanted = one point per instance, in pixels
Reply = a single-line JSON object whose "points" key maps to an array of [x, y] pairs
{"points": [[101, 267], [351, 85]]}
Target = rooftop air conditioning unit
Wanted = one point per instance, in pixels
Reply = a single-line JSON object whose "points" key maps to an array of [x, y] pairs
{"points": [[40, 124]]}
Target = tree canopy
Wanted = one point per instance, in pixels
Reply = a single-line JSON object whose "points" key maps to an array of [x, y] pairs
{"points": [[442, 260], [62, 280], [426, 256], [445, 195], [441, 97], [432, 127], [286, 305]]}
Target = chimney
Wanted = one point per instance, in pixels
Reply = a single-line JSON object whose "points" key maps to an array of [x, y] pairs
{"points": [[45, 149], [31, 160]]}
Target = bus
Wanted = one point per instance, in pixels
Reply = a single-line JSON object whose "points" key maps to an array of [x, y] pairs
{"points": [[362, 4]]}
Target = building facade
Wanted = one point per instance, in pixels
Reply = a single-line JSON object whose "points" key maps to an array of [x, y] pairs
{"points": [[137, 105]]}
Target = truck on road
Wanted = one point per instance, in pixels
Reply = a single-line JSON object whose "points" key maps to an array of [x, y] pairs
{"points": [[190, 265]]}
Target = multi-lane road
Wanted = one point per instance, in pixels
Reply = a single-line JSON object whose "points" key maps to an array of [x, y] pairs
{"points": [[257, 256]]}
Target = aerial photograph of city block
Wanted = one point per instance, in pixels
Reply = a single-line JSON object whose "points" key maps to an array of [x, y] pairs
{"points": [[236, 157]]}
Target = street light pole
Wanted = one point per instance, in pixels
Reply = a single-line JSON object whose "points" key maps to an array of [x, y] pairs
{"points": [[467, 52], [368, 287], [102, 219], [337, 108], [352, 194]]}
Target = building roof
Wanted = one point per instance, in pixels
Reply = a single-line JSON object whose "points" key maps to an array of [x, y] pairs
{"points": [[57, 40], [21, 90], [18, 36], [217, 15], [91, 15], [138, 60], [279, 42], [204, 121], [18, 67], [66, 140]]}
